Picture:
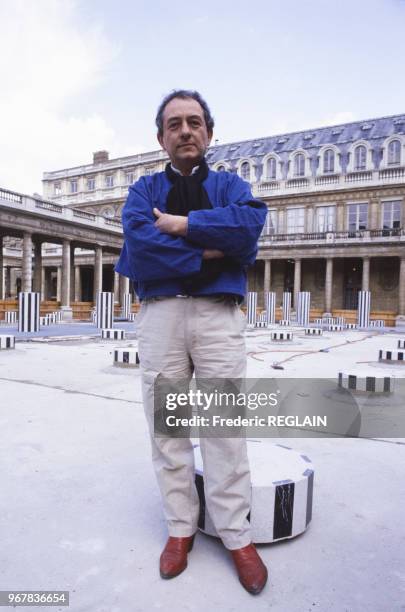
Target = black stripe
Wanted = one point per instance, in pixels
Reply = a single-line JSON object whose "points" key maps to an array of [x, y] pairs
{"points": [[387, 384], [199, 483], [370, 383], [283, 510], [310, 475], [352, 381]]}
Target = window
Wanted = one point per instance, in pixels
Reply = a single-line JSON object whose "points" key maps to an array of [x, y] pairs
{"points": [[295, 220], [271, 168], [57, 189], [73, 186], [91, 183], [394, 153], [221, 169], [329, 161], [360, 154], [325, 219], [271, 222], [299, 165], [392, 214], [129, 178], [108, 213], [149, 171], [357, 217], [245, 171], [109, 180]]}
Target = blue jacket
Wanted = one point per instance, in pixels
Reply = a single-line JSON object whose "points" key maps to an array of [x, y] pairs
{"points": [[157, 263]]}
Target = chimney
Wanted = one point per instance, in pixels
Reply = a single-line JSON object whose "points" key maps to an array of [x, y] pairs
{"points": [[99, 157]]}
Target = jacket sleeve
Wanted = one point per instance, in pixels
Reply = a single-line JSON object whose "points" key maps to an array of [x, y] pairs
{"points": [[234, 228], [151, 254]]}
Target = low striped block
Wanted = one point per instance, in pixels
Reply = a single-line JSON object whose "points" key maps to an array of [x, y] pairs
{"points": [[313, 331], [392, 356], [401, 344], [10, 316], [377, 323], [7, 342], [113, 334], [132, 316], [44, 320], [282, 491], [318, 321], [284, 322], [281, 335], [365, 384], [328, 321], [126, 357], [335, 327], [261, 324], [351, 326]]}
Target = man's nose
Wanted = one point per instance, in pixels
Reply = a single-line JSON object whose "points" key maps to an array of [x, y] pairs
{"points": [[185, 129]]}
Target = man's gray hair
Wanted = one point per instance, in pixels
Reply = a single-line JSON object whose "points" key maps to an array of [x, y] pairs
{"points": [[184, 94]]}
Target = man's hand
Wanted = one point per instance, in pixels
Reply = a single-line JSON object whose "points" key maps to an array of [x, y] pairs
{"points": [[212, 254], [176, 225]]}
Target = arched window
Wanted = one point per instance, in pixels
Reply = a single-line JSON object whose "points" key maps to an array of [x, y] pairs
{"points": [[360, 153], [299, 165], [245, 171], [221, 169], [329, 161], [271, 168], [394, 153]]}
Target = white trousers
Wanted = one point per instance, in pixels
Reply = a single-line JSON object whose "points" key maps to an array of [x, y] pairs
{"points": [[178, 337]]}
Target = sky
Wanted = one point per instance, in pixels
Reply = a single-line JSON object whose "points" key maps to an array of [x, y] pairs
{"points": [[77, 76]]}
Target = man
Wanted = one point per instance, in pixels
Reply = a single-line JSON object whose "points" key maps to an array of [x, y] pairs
{"points": [[189, 235]]}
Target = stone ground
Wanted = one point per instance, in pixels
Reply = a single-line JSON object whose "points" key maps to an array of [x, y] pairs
{"points": [[80, 510]]}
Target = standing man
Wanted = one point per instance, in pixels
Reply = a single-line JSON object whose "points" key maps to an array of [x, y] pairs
{"points": [[189, 235]]}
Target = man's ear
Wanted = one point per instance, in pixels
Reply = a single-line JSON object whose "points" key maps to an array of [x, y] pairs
{"points": [[210, 134]]}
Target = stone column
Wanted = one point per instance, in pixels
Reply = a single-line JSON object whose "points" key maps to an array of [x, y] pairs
{"points": [[402, 289], [65, 292], [78, 285], [2, 289], [43, 284], [124, 288], [365, 283], [340, 217], [98, 271], [280, 221], [58, 284], [328, 286], [373, 220], [6, 282], [37, 276], [26, 272], [267, 279], [116, 287], [297, 280], [309, 219], [72, 274]]}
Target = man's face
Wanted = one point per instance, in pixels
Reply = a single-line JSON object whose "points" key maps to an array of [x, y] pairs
{"points": [[185, 136]]}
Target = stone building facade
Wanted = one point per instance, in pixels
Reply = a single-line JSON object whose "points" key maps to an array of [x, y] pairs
{"points": [[335, 198]]}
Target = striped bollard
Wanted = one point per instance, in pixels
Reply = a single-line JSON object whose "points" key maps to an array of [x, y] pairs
{"points": [[43, 321], [10, 316], [104, 310], [351, 326], [126, 358], [365, 383], [392, 356], [28, 311], [286, 306], [377, 323], [281, 335], [113, 334], [363, 309], [251, 308], [126, 307], [401, 344], [270, 301], [132, 316], [303, 305], [313, 331], [7, 342]]}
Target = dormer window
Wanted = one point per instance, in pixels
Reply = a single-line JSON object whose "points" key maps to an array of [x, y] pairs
{"points": [[272, 168], [360, 158], [329, 161], [221, 169], [299, 164], [245, 171], [394, 153]]}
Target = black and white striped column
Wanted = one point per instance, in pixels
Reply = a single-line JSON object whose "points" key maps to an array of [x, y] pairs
{"points": [[28, 311], [126, 357], [10, 316], [104, 310], [126, 306], [363, 309], [303, 305], [270, 302], [113, 334], [251, 308], [286, 306], [7, 342]]}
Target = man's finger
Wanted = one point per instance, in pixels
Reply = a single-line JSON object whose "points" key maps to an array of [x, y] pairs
{"points": [[157, 212]]}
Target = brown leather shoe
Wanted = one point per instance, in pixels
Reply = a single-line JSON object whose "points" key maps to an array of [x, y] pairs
{"points": [[251, 569], [173, 559]]}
